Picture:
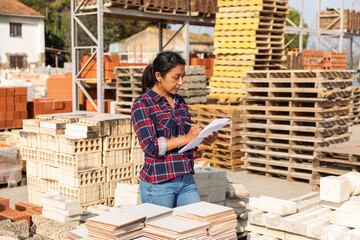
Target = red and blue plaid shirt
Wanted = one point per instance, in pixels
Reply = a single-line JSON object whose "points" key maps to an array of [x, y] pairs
{"points": [[154, 121]]}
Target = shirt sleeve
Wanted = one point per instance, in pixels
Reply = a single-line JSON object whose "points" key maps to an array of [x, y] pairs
{"points": [[145, 130]]}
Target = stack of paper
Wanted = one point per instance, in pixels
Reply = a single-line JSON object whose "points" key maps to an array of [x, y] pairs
{"points": [[176, 227], [115, 225], [78, 234], [222, 219], [150, 211]]}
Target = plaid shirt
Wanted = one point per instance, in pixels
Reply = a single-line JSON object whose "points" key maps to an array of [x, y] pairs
{"points": [[154, 121]]}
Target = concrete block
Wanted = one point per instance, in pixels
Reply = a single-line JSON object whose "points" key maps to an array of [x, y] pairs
{"points": [[203, 191], [202, 183], [217, 194], [255, 217], [205, 198], [216, 182], [314, 226], [333, 232], [353, 234], [354, 178], [221, 203], [215, 173], [236, 190], [61, 202], [274, 221], [59, 217], [335, 189], [273, 205], [345, 219]]}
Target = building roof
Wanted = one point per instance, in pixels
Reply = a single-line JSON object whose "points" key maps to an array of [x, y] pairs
{"points": [[14, 7], [194, 38]]}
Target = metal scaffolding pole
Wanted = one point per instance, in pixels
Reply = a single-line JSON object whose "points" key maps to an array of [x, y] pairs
{"points": [[100, 58], [301, 35]]}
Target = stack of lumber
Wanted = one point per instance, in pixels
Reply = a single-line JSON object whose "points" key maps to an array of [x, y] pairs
{"points": [[80, 156], [289, 114], [294, 60], [193, 89], [222, 219], [336, 160], [330, 20], [128, 86], [356, 103], [13, 103], [249, 35], [225, 152], [334, 214]]}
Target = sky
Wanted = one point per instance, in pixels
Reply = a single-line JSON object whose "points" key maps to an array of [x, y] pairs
{"points": [[310, 9]]}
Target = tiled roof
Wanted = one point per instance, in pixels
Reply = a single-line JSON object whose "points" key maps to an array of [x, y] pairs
{"points": [[14, 7]]}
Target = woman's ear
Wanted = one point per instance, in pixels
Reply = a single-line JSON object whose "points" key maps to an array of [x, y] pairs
{"points": [[158, 76]]}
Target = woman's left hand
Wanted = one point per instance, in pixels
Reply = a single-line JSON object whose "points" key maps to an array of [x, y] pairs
{"points": [[211, 139]]}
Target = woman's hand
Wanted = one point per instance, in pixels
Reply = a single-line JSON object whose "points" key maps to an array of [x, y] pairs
{"points": [[211, 139], [193, 132]]}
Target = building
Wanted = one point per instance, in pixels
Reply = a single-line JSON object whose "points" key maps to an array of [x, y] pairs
{"points": [[22, 36], [145, 44]]}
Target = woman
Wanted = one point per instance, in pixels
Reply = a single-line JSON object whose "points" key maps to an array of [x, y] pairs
{"points": [[162, 124]]}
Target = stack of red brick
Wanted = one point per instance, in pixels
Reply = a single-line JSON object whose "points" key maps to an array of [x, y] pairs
{"points": [[13, 102], [334, 61], [23, 210], [206, 62], [48, 106], [312, 59]]}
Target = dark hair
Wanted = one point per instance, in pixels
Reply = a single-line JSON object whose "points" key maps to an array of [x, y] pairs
{"points": [[163, 64]]}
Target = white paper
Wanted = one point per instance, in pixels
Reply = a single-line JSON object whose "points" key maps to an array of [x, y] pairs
{"points": [[214, 126]]}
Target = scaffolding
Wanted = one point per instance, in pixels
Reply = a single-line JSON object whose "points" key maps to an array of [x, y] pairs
{"points": [[102, 9], [322, 34]]}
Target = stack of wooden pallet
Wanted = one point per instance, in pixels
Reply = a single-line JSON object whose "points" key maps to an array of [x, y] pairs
{"points": [[225, 152], [356, 103], [128, 86], [81, 156], [330, 20], [249, 35], [336, 160], [289, 114]]}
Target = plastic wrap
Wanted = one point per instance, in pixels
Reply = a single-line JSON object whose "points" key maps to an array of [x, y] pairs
{"points": [[10, 164]]}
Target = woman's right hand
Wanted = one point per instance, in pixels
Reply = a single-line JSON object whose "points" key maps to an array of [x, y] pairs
{"points": [[194, 132]]}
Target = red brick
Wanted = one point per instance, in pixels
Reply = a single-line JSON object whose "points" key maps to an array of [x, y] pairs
{"points": [[2, 99], [4, 203], [58, 105], [20, 107], [20, 91], [9, 123], [15, 215], [2, 116], [10, 107], [18, 123], [17, 99], [3, 107], [23, 99], [16, 115], [10, 115], [10, 99], [2, 124], [2, 91], [26, 206], [23, 115], [10, 91]]}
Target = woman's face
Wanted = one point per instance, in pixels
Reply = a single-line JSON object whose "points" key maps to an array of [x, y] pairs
{"points": [[173, 80]]}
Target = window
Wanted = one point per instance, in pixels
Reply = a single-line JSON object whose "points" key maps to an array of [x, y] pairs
{"points": [[15, 29], [16, 62]]}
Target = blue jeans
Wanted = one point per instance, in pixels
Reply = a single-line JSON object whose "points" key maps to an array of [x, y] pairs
{"points": [[178, 192]]}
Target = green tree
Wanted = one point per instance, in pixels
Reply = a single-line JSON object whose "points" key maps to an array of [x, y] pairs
{"points": [[294, 16]]}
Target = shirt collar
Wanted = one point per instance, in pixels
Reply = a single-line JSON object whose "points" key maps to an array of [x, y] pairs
{"points": [[156, 97]]}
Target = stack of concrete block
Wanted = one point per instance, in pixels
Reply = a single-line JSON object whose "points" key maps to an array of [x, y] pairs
{"points": [[127, 195], [237, 197], [193, 89], [332, 214], [80, 156], [63, 210], [211, 184]]}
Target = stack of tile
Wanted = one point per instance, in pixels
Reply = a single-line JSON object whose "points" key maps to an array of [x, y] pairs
{"points": [[62, 210], [334, 214], [289, 114], [237, 197], [80, 155], [127, 195], [13, 103], [225, 152], [150, 211], [211, 184], [78, 234], [249, 35], [356, 103], [222, 219], [193, 89], [115, 225]]}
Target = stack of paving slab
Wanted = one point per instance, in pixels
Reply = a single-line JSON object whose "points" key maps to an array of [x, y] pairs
{"points": [[80, 156], [291, 113], [332, 214], [249, 35], [128, 86], [62, 210], [225, 152]]}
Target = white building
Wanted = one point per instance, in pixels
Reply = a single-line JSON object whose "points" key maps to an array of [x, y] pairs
{"points": [[22, 36]]}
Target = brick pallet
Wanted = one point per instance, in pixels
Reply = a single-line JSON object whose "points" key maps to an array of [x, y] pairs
{"points": [[289, 114], [225, 152], [356, 103], [13, 103], [128, 86], [249, 35], [78, 155]]}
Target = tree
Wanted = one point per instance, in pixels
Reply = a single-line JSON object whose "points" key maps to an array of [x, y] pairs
{"points": [[294, 16]]}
